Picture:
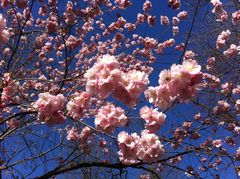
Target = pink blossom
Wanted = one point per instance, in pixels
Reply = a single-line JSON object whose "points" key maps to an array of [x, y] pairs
{"points": [[77, 104], [128, 147], [237, 105], [159, 96], [4, 34], [223, 106], [236, 90], [175, 4], [132, 85], [103, 77], [85, 139], [217, 143], [72, 134], [222, 38], [10, 88], [164, 20], [147, 5], [110, 117], [123, 3], [154, 119], [175, 21], [238, 153], [150, 148], [52, 24], [182, 15], [69, 14], [73, 42], [140, 18], [50, 108], [236, 18], [232, 51], [151, 20], [219, 11], [180, 82], [147, 176], [132, 147], [175, 30], [227, 88], [85, 134]]}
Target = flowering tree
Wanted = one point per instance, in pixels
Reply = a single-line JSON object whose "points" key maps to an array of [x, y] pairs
{"points": [[82, 90]]}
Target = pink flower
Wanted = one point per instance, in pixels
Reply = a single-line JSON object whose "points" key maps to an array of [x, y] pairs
{"points": [[132, 147], [110, 117], [232, 51], [103, 77], [237, 105], [132, 85], [4, 34], [159, 96], [72, 134], [182, 15], [147, 5], [10, 89], [175, 30], [85, 134], [69, 14], [123, 3], [219, 11], [227, 88], [217, 143], [164, 20], [85, 139], [140, 18], [175, 4], [223, 106], [77, 104], [150, 148], [179, 83], [154, 119], [175, 21], [128, 147], [50, 108], [236, 18], [52, 24], [238, 153], [151, 20], [73, 42]]}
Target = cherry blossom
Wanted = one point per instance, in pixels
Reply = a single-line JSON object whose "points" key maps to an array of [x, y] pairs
{"points": [[154, 119], [50, 108], [4, 33], [110, 117], [77, 104]]}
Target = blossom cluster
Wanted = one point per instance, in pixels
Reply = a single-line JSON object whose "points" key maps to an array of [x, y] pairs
{"points": [[83, 137], [110, 117], [9, 89], [106, 77], [77, 104], [134, 148], [219, 11], [179, 83], [154, 119], [4, 34], [50, 108], [222, 38], [236, 18]]}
